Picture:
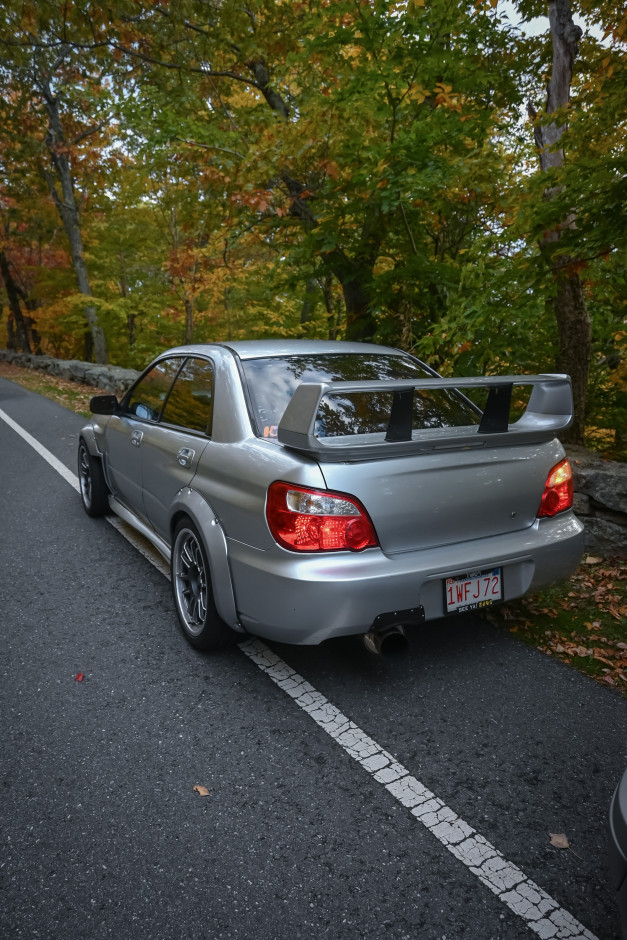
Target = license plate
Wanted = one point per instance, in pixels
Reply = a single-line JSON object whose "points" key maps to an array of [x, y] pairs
{"points": [[473, 591]]}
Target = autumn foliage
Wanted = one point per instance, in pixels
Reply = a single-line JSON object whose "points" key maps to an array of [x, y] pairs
{"points": [[176, 172]]}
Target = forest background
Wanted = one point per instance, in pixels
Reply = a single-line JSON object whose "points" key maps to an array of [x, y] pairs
{"points": [[424, 174]]}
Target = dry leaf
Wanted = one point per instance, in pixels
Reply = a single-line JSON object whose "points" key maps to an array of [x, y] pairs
{"points": [[559, 840], [592, 560], [200, 790]]}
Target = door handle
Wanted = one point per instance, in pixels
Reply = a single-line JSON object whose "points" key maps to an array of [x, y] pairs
{"points": [[136, 438], [185, 456]]}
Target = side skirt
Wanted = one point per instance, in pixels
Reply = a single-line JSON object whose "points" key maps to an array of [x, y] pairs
{"points": [[162, 547]]}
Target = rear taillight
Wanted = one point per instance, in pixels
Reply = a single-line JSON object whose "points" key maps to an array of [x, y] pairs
{"points": [[306, 520], [558, 490]]}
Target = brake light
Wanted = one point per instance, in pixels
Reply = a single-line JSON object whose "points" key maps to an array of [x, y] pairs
{"points": [[558, 490], [307, 520]]}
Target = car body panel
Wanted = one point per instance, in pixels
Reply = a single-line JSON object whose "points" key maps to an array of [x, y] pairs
{"points": [[437, 513], [324, 595], [169, 462], [419, 508], [123, 460]]}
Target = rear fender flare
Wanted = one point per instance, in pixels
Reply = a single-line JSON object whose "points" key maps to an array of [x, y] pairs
{"points": [[190, 503]]}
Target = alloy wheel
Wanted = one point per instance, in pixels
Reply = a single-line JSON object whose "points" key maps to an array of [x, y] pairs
{"points": [[190, 585]]}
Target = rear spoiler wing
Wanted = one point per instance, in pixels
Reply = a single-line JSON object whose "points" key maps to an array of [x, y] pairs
{"points": [[549, 411]]}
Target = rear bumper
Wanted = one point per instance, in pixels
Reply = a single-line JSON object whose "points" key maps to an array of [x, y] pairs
{"points": [[307, 599]]}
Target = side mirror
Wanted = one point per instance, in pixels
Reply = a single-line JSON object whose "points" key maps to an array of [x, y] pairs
{"points": [[103, 404]]}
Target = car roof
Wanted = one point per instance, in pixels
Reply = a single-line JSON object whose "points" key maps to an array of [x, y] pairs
{"points": [[262, 348]]}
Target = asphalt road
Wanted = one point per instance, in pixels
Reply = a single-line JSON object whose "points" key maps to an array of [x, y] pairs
{"points": [[104, 836]]}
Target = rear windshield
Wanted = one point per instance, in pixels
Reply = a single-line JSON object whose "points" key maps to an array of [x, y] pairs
{"points": [[271, 383]]}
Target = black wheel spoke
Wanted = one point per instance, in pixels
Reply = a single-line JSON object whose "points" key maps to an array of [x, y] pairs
{"points": [[191, 582]]}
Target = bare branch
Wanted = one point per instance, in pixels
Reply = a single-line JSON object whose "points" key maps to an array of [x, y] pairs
{"points": [[89, 131]]}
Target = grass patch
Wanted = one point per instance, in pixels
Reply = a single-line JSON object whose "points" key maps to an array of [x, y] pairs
{"points": [[583, 622], [71, 395]]}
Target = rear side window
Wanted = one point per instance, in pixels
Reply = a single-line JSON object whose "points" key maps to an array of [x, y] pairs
{"points": [[190, 403], [271, 383]]}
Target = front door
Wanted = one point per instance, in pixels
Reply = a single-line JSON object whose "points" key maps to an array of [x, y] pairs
{"points": [[171, 449]]}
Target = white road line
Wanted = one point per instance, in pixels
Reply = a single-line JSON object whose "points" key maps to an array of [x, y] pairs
{"points": [[67, 475], [137, 541], [541, 913]]}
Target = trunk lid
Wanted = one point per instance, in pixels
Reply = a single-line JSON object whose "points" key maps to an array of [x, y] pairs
{"points": [[433, 499]]}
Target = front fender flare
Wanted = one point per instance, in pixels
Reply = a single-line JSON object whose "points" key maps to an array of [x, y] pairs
{"points": [[87, 434], [189, 502]]}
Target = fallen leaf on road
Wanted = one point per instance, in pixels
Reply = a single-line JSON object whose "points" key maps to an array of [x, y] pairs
{"points": [[200, 790], [592, 560], [559, 840], [79, 676]]}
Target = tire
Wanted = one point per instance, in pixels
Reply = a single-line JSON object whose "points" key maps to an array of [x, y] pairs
{"points": [[193, 595], [94, 490]]}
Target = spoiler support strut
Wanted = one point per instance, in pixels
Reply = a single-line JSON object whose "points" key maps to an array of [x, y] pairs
{"points": [[495, 418], [399, 426]]}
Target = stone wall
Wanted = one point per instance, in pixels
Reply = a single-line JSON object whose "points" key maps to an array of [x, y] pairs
{"points": [[600, 500], [108, 378], [600, 485]]}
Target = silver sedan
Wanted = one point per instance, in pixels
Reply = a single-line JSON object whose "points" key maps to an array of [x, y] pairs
{"points": [[306, 490]]}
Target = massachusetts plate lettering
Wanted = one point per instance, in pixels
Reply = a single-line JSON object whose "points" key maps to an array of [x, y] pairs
{"points": [[473, 591]]}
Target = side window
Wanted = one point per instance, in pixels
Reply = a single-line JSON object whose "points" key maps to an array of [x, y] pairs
{"points": [[190, 403], [146, 399]]}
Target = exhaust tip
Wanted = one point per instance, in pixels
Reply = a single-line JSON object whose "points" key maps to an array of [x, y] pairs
{"points": [[388, 641]]}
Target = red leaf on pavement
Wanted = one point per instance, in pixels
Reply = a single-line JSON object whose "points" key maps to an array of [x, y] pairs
{"points": [[79, 676]]}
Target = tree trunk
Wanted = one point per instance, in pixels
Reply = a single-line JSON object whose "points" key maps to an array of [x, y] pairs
{"points": [[360, 323], [573, 321], [13, 297], [309, 301], [575, 346], [68, 210], [189, 320], [130, 317], [12, 343], [332, 307], [354, 274]]}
